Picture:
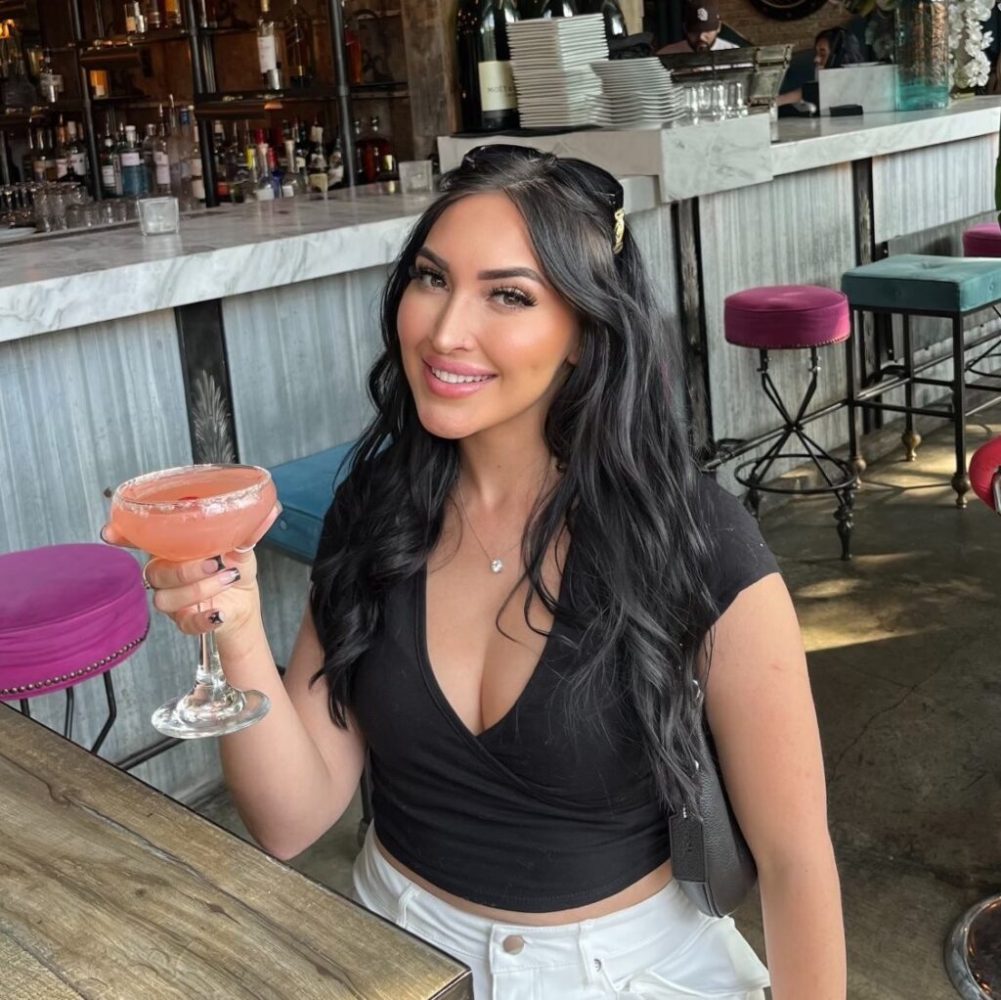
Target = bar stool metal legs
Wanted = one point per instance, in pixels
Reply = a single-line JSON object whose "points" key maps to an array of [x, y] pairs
{"points": [[836, 476], [973, 952]]}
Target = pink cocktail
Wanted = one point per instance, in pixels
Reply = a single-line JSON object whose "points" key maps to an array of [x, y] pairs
{"points": [[193, 512], [186, 514]]}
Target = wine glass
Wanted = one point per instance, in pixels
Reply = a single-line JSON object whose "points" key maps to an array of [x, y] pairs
{"points": [[188, 513]]}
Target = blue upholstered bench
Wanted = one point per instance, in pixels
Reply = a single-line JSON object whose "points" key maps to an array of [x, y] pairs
{"points": [[305, 488], [917, 285]]}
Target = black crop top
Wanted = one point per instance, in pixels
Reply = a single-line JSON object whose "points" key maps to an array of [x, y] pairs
{"points": [[528, 815]]}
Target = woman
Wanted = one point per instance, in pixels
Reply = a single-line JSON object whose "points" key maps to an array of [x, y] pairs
{"points": [[836, 47], [517, 586], [833, 48]]}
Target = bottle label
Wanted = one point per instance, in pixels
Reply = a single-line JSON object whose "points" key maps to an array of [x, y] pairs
{"points": [[108, 177], [300, 164], [497, 91], [266, 193], [198, 188], [162, 164], [39, 169], [130, 159], [62, 167], [196, 167], [318, 181], [79, 163], [266, 54], [130, 24]]}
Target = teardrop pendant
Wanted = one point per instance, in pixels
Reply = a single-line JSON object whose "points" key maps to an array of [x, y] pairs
{"points": [[496, 566]]}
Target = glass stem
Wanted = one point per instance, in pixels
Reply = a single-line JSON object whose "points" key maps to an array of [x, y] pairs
{"points": [[209, 665]]}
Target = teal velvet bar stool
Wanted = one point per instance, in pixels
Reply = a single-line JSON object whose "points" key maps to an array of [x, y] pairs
{"points": [[305, 488], [917, 285]]}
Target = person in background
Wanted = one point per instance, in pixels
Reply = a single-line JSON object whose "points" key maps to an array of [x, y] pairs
{"points": [[833, 48], [836, 47], [702, 23]]}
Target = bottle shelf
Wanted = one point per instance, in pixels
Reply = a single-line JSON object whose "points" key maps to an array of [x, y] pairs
{"points": [[40, 112], [222, 103], [222, 32], [112, 42]]}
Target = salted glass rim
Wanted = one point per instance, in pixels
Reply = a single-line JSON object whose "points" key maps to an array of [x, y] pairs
{"points": [[167, 506]]}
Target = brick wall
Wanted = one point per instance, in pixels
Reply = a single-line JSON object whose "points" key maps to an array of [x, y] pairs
{"points": [[760, 30]]}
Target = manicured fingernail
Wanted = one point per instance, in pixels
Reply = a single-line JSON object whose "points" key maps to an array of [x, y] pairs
{"points": [[230, 576], [213, 565], [216, 618]]}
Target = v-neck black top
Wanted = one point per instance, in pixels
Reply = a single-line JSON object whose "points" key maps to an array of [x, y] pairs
{"points": [[535, 813]]}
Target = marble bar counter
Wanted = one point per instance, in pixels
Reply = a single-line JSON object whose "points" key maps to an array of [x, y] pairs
{"points": [[49, 283]]}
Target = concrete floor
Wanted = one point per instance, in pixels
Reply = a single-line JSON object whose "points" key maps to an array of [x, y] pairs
{"points": [[904, 661]]}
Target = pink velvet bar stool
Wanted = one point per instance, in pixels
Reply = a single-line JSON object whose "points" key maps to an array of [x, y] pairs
{"points": [[68, 613], [982, 240], [793, 318]]}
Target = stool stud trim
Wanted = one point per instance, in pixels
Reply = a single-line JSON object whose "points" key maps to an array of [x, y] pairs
{"points": [[38, 686]]}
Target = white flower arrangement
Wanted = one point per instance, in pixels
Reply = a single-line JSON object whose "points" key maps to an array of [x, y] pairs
{"points": [[967, 41]]}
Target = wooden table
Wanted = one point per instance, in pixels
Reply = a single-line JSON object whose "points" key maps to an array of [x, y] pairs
{"points": [[109, 889]]}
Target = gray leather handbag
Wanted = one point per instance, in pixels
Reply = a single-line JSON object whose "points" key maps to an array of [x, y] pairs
{"points": [[710, 858]]}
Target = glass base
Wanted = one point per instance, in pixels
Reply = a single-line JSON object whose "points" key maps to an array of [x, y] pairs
{"points": [[205, 711]]}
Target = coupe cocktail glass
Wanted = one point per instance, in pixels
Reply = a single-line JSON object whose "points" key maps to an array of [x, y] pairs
{"points": [[185, 514]]}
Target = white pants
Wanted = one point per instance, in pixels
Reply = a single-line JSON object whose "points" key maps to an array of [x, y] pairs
{"points": [[660, 949]]}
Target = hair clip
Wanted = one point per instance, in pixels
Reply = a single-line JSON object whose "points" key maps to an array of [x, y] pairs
{"points": [[620, 229]]}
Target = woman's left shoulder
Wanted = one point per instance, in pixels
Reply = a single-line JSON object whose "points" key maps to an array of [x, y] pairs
{"points": [[738, 554]]}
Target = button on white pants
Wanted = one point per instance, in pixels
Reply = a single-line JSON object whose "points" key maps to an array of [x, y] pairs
{"points": [[660, 949]]}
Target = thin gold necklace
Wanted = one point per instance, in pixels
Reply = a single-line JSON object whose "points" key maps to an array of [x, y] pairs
{"points": [[496, 562]]}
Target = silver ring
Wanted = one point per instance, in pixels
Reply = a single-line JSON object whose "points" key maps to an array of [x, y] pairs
{"points": [[146, 582]]}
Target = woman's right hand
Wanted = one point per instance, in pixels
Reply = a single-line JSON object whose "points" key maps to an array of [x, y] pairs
{"points": [[224, 587]]}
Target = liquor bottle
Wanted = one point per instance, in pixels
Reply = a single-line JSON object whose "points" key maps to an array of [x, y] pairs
{"points": [[267, 48], [76, 154], [335, 164], [155, 19], [110, 183], [197, 178], [132, 166], [301, 148], [293, 183], [135, 19], [61, 154], [359, 167], [264, 187], [161, 160], [377, 160], [28, 160], [317, 166], [172, 14], [219, 158], [300, 67], [41, 163], [49, 82], [486, 82], [149, 163]]}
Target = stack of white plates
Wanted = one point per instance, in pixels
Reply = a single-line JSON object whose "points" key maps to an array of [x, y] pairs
{"points": [[636, 93], [551, 59]]}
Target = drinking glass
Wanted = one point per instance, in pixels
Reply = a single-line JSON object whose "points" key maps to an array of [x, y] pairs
{"points": [[415, 176], [185, 514], [158, 215]]}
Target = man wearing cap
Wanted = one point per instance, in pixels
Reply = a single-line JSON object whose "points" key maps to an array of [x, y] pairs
{"points": [[702, 22]]}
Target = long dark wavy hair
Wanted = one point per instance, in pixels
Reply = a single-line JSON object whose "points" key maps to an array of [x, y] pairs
{"points": [[634, 583]]}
